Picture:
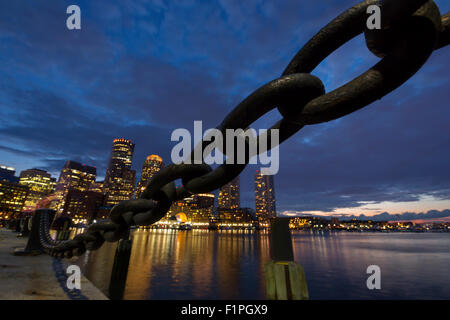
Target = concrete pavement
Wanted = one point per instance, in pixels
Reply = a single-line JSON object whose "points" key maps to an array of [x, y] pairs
{"points": [[37, 277]]}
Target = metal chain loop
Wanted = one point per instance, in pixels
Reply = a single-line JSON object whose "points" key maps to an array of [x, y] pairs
{"points": [[388, 74], [411, 30]]}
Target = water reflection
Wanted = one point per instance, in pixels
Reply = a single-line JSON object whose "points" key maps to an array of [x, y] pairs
{"points": [[412, 265], [202, 264], [198, 264]]}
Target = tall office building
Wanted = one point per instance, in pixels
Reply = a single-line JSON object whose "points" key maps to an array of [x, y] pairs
{"points": [[229, 195], [204, 200], [40, 184], [201, 207], [264, 196], [83, 206], [76, 176], [12, 198], [120, 180], [97, 187], [151, 166]]}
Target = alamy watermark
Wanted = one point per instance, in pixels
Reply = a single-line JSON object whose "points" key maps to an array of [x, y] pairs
{"points": [[374, 280], [73, 22], [237, 143], [74, 278], [374, 20]]}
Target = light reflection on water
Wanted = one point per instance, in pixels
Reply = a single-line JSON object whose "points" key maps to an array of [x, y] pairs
{"points": [[413, 266], [201, 264]]}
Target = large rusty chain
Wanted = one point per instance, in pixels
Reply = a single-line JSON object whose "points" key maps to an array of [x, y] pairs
{"points": [[411, 30]]}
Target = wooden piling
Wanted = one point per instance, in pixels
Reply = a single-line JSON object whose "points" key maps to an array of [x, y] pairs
{"points": [[285, 279]]}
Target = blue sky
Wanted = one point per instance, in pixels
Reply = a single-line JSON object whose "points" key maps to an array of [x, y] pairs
{"points": [[140, 69]]}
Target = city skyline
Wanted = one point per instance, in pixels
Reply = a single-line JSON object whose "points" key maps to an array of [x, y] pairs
{"points": [[153, 164], [78, 193], [109, 80], [97, 186]]}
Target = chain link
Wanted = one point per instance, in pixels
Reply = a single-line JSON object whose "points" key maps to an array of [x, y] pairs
{"points": [[411, 31]]}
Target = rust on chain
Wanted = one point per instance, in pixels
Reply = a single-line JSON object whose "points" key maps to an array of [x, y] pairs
{"points": [[412, 30]]}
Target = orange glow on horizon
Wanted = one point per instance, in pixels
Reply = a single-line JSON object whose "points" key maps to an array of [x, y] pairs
{"points": [[425, 204]]}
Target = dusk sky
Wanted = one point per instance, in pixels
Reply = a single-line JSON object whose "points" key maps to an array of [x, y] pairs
{"points": [[139, 69]]}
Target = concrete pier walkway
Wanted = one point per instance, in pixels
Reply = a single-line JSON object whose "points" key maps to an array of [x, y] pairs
{"points": [[37, 277]]}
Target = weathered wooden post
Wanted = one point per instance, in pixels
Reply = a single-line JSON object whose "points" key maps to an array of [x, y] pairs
{"points": [[120, 268], [285, 279]]}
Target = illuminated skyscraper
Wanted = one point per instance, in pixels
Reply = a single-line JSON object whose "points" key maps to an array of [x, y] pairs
{"points": [[97, 187], [229, 195], [12, 198], [73, 175], [120, 180], [40, 184], [201, 207], [264, 196], [204, 200], [83, 206], [151, 166]]}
